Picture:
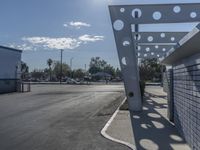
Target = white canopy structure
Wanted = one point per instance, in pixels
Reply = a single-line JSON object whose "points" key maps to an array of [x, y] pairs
{"points": [[133, 44]]}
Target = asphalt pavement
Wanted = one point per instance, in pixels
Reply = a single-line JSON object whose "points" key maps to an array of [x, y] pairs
{"points": [[59, 117]]}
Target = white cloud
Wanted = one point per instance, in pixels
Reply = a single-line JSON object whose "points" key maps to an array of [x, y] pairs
{"points": [[65, 25], [57, 43], [76, 24], [53, 43], [89, 38], [24, 46]]}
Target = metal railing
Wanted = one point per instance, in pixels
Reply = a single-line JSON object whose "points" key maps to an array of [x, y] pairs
{"points": [[23, 86]]}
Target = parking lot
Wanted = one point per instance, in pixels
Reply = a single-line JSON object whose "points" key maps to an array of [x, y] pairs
{"points": [[68, 117]]}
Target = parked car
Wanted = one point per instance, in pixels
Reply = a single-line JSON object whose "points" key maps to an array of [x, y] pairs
{"points": [[71, 81]]}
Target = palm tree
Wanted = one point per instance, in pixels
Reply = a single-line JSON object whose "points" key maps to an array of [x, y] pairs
{"points": [[49, 63]]}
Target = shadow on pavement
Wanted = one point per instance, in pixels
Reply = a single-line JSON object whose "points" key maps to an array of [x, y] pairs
{"points": [[152, 130]]}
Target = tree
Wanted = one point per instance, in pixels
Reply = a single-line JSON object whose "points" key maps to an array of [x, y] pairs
{"points": [[24, 70], [118, 73], [79, 73], [99, 65], [65, 69], [38, 74], [49, 63], [110, 70], [150, 69], [95, 65]]}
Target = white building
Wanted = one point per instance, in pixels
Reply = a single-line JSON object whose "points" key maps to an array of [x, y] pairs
{"points": [[10, 66]]}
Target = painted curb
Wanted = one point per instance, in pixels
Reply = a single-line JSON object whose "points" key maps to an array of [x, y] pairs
{"points": [[103, 131]]}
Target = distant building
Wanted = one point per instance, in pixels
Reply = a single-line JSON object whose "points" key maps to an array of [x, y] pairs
{"points": [[102, 75], [10, 68]]}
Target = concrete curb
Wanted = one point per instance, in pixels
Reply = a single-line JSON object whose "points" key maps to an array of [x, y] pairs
{"points": [[103, 131]]}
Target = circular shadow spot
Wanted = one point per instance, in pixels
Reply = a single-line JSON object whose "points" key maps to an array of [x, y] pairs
{"points": [[136, 117], [148, 144], [154, 115], [145, 108], [158, 125], [176, 138]]}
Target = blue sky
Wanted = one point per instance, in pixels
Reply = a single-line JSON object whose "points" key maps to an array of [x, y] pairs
{"points": [[81, 27]]}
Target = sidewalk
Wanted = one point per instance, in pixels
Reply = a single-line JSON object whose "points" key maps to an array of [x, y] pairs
{"points": [[151, 128]]}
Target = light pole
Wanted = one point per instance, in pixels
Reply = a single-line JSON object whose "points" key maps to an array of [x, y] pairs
{"points": [[71, 60], [61, 57]]}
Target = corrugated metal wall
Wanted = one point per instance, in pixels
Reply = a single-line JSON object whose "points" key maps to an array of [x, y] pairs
{"points": [[186, 97], [9, 69]]}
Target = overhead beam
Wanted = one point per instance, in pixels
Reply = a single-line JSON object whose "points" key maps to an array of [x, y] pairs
{"points": [[158, 37], [157, 13]]}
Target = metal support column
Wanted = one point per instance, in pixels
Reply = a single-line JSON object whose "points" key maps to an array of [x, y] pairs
{"points": [[128, 63]]}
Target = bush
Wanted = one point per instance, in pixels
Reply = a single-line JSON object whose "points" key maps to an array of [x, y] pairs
{"points": [[142, 88]]}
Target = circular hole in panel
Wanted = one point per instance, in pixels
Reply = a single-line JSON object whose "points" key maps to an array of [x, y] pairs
{"points": [[162, 35], [145, 55], [152, 53], [150, 38], [164, 49], [172, 39], [138, 54], [122, 10], [147, 49], [130, 94], [157, 15], [158, 55], [138, 48], [193, 14], [156, 46], [136, 13], [124, 61], [137, 37], [177, 9], [126, 43], [118, 25]]}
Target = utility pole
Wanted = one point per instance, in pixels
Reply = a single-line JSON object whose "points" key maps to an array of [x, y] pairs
{"points": [[61, 70], [85, 68]]}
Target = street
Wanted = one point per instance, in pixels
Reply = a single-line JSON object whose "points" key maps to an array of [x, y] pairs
{"points": [[59, 117]]}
